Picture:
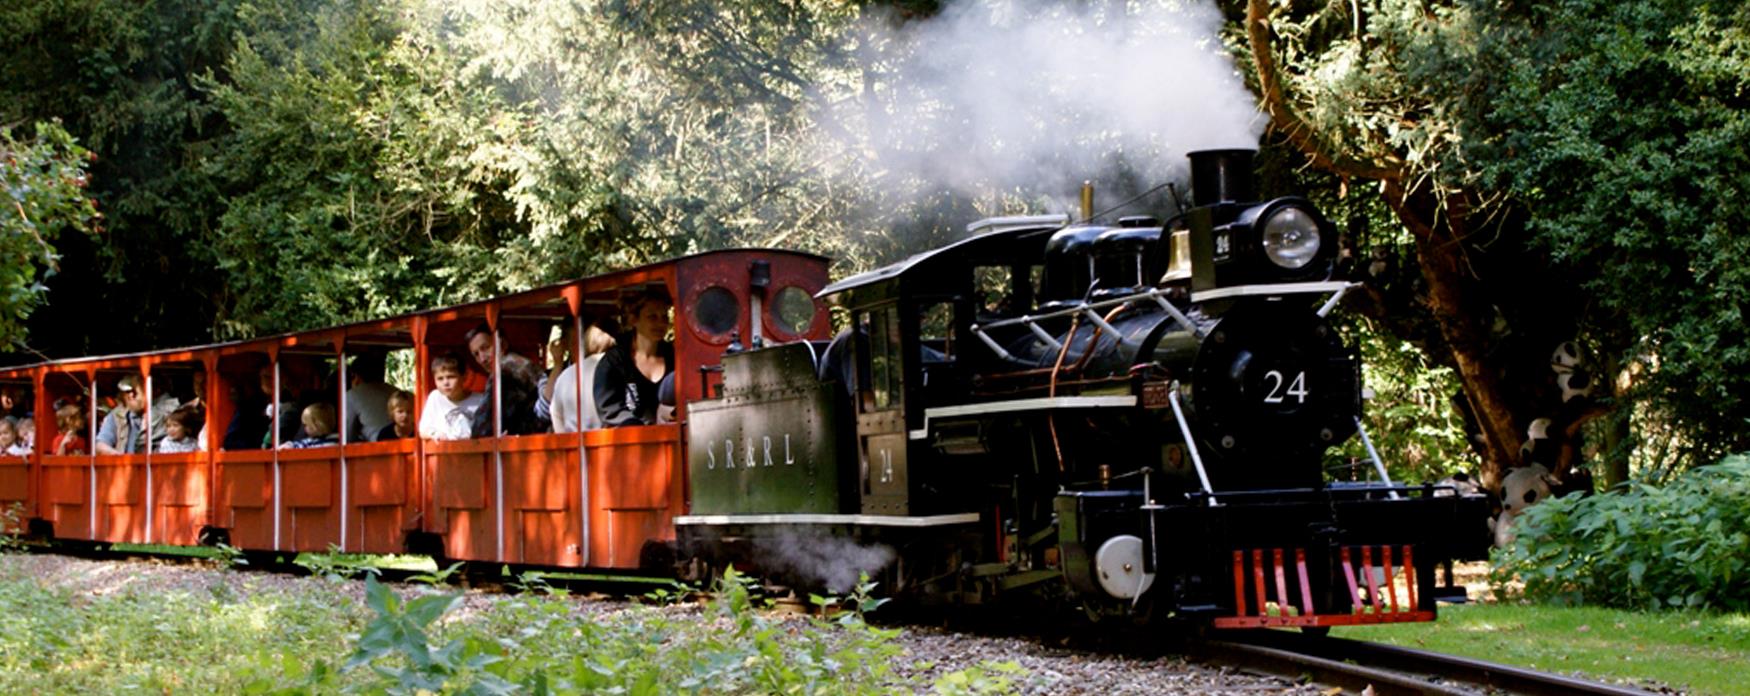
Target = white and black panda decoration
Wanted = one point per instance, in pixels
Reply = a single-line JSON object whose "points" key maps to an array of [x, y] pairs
{"points": [[1572, 378]]}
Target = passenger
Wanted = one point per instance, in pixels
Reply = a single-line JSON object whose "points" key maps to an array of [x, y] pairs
{"points": [[27, 432], [11, 404], [566, 414], [319, 428], [449, 409], [181, 431], [123, 430], [9, 442], [627, 378], [400, 417], [70, 420], [367, 397], [518, 394]]}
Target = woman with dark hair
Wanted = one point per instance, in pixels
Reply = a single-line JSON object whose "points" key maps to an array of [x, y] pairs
{"points": [[626, 381]]}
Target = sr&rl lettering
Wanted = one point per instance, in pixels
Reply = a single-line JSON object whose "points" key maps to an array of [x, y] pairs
{"points": [[748, 461]]}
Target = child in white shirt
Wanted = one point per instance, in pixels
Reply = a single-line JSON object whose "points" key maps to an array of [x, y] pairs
{"points": [[449, 409], [180, 429]]}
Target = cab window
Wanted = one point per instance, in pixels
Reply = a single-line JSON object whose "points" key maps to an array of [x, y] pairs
{"points": [[882, 367]]}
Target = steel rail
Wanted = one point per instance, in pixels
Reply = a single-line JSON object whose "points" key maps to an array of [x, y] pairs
{"points": [[1389, 669]]}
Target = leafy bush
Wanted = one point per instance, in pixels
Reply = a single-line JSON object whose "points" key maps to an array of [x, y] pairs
{"points": [[1686, 544]]}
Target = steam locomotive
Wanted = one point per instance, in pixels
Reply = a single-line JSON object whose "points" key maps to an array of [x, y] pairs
{"points": [[1129, 415]]}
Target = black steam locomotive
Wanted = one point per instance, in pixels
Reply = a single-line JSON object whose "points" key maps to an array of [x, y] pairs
{"points": [[1132, 415]]}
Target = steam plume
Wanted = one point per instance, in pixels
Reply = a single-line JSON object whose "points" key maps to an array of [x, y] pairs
{"points": [[1006, 95]]}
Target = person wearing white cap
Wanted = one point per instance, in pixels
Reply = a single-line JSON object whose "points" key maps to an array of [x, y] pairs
{"points": [[122, 430]]}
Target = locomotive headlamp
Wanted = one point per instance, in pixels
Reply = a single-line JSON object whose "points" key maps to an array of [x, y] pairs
{"points": [[1291, 237], [1281, 241]]}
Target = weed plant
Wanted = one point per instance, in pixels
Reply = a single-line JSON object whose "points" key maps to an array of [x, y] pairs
{"points": [[1685, 544]]}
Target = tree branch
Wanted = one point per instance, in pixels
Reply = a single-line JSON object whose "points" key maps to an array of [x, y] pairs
{"points": [[1283, 117]]}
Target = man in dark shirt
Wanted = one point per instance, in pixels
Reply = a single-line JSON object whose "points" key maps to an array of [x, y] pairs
{"points": [[520, 390]]}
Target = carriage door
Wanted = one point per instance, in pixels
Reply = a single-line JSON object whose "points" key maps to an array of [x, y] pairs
{"points": [[881, 412]]}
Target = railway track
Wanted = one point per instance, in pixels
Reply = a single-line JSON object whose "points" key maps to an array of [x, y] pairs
{"points": [[1387, 669]]}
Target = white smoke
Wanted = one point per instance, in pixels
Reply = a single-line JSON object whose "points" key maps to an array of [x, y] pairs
{"points": [[834, 562], [994, 96]]}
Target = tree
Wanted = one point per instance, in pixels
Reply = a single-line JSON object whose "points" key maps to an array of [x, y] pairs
{"points": [[44, 178], [1539, 215], [119, 76]]}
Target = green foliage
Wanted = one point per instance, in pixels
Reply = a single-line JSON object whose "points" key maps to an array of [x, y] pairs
{"points": [[988, 677], [44, 179], [1686, 544], [11, 528], [230, 556], [119, 75], [1621, 126], [1411, 418], [80, 632], [1596, 147], [535, 643], [119, 632], [335, 566], [437, 577]]}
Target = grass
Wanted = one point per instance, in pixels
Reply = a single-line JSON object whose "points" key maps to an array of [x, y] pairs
{"points": [[1703, 653]]}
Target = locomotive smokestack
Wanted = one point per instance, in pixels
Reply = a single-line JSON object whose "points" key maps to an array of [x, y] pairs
{"points": [[1221, 176]]}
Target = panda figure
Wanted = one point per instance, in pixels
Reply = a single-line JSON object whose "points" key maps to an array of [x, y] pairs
{"points": [[1523, 487], [1576, 384], [1565, 358]]}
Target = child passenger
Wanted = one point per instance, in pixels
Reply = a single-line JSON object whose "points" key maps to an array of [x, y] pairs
{"points": [[400, 417], [70, 420], [180, 430], [449, 409], [9, 442], [319, 428]]}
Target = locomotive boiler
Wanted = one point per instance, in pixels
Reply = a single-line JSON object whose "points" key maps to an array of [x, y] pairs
{"points": [[1133, 415]]}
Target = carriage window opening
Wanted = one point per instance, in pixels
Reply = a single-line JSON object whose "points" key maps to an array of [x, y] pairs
{"points": [[936, 332], [716, 311], [379, 393], [882, 327], [245, 385], [794, 310], [308, 409], [179, 406], [65, 429]]}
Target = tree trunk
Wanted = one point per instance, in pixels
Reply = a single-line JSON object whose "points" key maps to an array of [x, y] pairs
{"points": [[1461, 322], [1616, 435]]}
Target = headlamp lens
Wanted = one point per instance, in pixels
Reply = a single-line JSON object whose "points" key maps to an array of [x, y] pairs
{"points": [[1291, 238]]}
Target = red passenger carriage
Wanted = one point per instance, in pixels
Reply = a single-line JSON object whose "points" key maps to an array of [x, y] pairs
{"points": [[600, 498]]}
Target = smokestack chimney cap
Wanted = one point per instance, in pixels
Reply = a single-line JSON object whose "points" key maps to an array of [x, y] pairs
{"points": [[1221, 176]]}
